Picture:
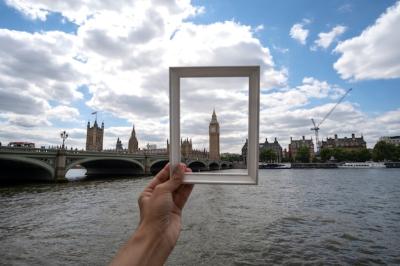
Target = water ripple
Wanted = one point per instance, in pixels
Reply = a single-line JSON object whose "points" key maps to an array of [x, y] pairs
{"points": [[320, 217]]}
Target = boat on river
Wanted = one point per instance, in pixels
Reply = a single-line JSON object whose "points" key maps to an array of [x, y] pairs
{"points": [[361, 165], [274, 166]]}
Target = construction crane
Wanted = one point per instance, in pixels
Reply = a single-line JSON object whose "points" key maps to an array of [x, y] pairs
{"points": [[316, 127]]}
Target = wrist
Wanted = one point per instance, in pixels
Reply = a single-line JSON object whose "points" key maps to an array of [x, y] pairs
{"points": [[147, 235], [152, 243]]}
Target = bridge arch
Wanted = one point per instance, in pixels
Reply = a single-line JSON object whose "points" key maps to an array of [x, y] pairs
{"points": [[213, 165], [109, 166], [224, 165], [157, 165], [197, 166], [24, 168]]}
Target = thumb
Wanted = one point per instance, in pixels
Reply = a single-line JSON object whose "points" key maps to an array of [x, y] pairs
{"points": [[176, 179]]}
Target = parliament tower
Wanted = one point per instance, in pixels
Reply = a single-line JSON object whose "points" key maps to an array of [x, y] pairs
{"points": [[214, 137], [133, 143], [94, 137]]}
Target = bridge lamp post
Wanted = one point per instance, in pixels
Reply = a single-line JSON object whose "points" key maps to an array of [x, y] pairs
{"points": [[64, 136]]}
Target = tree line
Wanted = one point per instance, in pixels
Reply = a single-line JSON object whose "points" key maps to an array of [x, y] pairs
{"points": [[382, 151]]}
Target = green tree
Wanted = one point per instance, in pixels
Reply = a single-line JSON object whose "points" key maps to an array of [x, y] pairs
{"points": [[363, 155], [384, 151], [267, 155], [326, 154], [303, 154], [231, 157], [341, 155], [397, 153]]}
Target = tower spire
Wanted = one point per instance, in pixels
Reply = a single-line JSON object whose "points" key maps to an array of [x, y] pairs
{"points": [[214, 137], [214, 117], [133, 133], [133, 145]]}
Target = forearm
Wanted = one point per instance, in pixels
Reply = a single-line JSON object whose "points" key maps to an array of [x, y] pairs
{"points": [[145, 247]]}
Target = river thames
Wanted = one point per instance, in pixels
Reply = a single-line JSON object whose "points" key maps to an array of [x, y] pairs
{"points": [[341, 216]]}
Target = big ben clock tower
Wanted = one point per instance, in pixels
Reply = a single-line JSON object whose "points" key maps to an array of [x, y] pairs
{"points": [[214, 137]]}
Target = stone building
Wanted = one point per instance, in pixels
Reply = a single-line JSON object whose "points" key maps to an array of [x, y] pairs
{"points": [[94, 137], [214, 138], [295, 145], [187, 150], [395, 140], [274, 146], [285, 155], [352, 143], [118, 146], [133, 142], [244, 151]]}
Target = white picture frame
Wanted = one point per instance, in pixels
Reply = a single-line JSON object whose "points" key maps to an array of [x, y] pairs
{"points": [[253, 74]]}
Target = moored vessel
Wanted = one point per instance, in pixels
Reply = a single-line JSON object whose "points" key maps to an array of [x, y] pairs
{"points": [[274, 166], [351, 165]]}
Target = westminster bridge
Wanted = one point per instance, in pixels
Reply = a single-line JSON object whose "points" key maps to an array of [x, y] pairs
{"points": [[53, 164]]}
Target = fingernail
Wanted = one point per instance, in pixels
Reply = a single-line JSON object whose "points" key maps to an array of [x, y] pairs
{"points": [[178, 172]]}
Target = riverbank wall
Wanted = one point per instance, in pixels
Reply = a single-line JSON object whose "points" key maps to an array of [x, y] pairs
{"points": [[314, 165]]}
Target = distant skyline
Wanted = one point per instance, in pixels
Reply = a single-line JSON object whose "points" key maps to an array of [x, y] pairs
{"points": [[62, 60]]}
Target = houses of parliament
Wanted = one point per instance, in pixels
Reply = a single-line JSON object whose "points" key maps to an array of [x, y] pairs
{"points": [[95, 134]]}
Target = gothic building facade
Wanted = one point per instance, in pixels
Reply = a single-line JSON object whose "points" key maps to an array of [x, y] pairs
{"points": [[295, 145], [133, 145], [94, 137], [346, 143], [214, 138], [274, 146], [118, 146], [244, 151], [187, 150]]}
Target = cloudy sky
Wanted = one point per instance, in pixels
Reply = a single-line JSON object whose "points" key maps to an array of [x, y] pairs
{"points": [[62, 60]]}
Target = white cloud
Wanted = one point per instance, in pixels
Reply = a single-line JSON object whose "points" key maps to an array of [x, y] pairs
{"points": [[37, 69], [325, 39], [40, 65], [24, 121], [80, 11], [299, 33], [300, 96], [345, 8], [63, 113], [28, 115], [122, 51], [280, 49], [125, 63], [392, 117], [259, 28], [375, 53], [312, 87]]}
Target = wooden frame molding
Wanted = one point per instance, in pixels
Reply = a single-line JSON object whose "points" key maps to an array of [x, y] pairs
{"points": [[253, 74]]}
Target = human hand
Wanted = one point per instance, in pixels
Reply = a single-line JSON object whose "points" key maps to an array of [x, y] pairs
{"points": [[161, 204]]}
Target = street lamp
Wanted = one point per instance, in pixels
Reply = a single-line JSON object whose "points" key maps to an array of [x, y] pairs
{"points": [[64, 136]]}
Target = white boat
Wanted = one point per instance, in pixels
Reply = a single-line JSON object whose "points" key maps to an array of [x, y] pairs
{"points": [[274, 166], [362, 165]]}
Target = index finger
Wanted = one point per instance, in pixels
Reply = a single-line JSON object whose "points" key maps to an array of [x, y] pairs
{"points": [[160, 178]]}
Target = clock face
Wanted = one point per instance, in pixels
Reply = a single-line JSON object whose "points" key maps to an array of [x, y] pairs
{"points": [[213, 130]]}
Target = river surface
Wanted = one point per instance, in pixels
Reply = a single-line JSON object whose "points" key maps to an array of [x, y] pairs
{"points": [[341, 216]]}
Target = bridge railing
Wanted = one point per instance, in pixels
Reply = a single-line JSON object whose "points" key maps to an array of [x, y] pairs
{"points": [[114, 152], [158, 152], [25, 149]]}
